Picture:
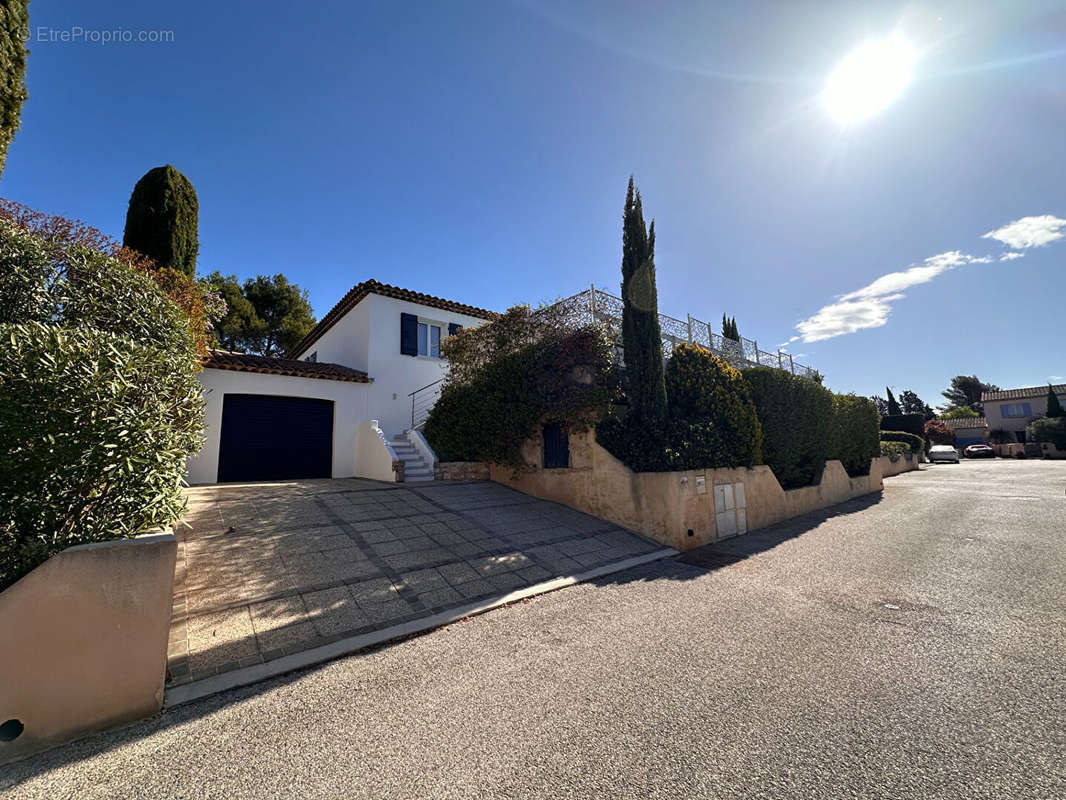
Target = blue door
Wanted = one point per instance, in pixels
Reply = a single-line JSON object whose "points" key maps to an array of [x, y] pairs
{"points": [[268, 438]]}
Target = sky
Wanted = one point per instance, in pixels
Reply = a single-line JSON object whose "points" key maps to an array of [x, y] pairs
{"points": [[480, 151]]}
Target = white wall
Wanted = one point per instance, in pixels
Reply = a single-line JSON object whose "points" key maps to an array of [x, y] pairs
{"points": [[346, 342], [373, 455], [349, 409]]}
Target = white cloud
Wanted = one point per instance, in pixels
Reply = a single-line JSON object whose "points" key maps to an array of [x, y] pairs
{"points": [[870, 306], [1029, 232], [1057, 377]]}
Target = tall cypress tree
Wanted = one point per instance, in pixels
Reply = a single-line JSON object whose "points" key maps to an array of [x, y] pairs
{"points": [[162, 220], [641, 335], [893, 406], [14, 30], [729, 328], [1054, 407]]}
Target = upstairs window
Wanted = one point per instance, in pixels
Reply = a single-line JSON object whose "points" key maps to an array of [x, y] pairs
{"points": [[313, 358], [428, 339], [1015, 410]]}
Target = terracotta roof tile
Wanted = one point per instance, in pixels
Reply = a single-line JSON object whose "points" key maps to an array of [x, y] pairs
{"points": [[244, 362], [361, 290], [1021, 394], [965, 422]]}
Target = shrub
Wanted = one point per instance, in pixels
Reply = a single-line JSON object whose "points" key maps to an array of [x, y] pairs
{"points": [[916, 444], [163, 218], [1001, 436], [908, 423], [1048, 429], [856, 433], [894, 449], [936, 432], [797, 423], [486, 412], [100, 405]]}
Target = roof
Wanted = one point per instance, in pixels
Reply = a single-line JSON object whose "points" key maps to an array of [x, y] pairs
{"points": [[1022, 394], [243, 362], [356, 294], [965, 422]]}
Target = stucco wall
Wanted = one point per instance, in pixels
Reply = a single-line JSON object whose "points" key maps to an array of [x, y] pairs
{"points": [[85, 641], [678, 508], [349, 409], [993, 410], [374, 458]]}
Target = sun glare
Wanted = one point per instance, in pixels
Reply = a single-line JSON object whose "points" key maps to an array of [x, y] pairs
{"points": [[869, 79]]}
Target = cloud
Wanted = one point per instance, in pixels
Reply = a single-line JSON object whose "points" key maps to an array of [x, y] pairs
{"points": [[1057, 377], [1029, 232], [870, 306]]}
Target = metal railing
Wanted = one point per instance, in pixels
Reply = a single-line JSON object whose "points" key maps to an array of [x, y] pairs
{"points": [[422, 401], [597, 306]]}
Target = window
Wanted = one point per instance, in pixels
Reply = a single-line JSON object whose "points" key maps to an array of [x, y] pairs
{"points": [[556, 447], [313, 358], [1015, 410], [428, 339]]}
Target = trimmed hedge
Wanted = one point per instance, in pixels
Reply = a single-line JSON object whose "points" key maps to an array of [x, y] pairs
{"points": [[908, 423], [797, 424], [894, 449], [100, 404], [856, 433], [915, 443]]}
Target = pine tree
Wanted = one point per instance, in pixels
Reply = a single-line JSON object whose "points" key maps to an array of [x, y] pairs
{"points": [[14, 31], [641, 335], [162, 219], [1054, 407], [893, 406]]}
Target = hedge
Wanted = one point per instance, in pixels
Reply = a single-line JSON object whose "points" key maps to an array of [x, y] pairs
{"points": [[915, 443], [797, 424], [894, 449], [908, 423], [1048, 429], [856, 433], [100, 406]]}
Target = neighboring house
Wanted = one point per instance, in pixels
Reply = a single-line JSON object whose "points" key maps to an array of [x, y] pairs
{"points": [[1012, 410], [309, 415], [968, 430]]}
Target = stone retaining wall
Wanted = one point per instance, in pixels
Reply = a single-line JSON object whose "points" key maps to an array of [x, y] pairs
{"points": [[684, 509], [461, 471]]}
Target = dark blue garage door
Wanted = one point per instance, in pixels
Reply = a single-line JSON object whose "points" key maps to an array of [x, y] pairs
{"points": [[267, 438]]}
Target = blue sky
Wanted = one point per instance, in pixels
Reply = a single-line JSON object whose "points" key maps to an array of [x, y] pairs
{"points": [[480, 151]]}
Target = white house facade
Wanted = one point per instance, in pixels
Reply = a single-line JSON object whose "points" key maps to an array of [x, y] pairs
{"points": [[340, 404]]}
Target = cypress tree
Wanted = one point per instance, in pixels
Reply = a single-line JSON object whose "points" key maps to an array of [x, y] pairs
{"points": [[1054, 407], [641, 335], [14, 30], [162, 219], [893, 406]]}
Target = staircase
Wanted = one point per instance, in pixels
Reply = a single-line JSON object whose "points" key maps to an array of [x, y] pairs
{"points": [[415, 468]]}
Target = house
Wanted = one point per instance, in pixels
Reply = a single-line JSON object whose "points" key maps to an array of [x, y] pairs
{"points": [[342, 403], [1011, 410], [968, 430]]}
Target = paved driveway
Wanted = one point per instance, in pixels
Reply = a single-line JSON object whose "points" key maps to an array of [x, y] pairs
{"points": [[910, 647], [270, 570]]}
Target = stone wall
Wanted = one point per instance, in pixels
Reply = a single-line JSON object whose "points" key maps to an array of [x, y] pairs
{"points": [[684, 509], [461, 471], [85, 642]]}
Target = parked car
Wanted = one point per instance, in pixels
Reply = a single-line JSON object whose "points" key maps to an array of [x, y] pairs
{"points": [[979, 451], [943, 452]]}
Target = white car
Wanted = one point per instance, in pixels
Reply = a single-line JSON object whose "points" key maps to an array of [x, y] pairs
{"points": [[943, 452]]}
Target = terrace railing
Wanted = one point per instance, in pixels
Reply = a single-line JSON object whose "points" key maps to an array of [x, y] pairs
{"points": [[597, 306]]}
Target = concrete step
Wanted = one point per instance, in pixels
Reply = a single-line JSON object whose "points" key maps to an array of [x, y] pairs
{"points": [[417, 478], [423, 470]]}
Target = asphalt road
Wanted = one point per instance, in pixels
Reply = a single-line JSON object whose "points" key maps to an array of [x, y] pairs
{"points": [[910, 645]]}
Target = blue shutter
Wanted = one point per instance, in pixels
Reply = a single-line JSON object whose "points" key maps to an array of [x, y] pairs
{"points": [[453, 328], [409, 334]]}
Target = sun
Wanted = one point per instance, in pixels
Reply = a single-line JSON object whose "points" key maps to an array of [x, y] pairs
{"points": [[869, 79]]}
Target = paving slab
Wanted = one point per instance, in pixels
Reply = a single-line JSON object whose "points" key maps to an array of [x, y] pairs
{"points": [[271, 570]]}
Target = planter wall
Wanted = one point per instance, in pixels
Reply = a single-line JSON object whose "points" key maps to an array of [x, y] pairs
{"points": [[85, 642], [684, 509]]}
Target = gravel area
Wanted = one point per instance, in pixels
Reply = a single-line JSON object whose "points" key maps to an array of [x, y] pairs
{"points": [[910, 645]]}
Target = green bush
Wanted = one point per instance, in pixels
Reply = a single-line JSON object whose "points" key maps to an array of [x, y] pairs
{"points": [[856, 433], [895, 449], [100, 405], [915, 443], [797, 424], [1048, 429], [565, 377]]}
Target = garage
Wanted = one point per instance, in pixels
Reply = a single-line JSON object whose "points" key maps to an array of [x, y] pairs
{"points": [[270, 438]]}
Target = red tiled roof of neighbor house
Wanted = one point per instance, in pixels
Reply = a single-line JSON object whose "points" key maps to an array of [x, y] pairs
{"points": [[963, 423], [361, 290], [1021, 394], [243, 362]]}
